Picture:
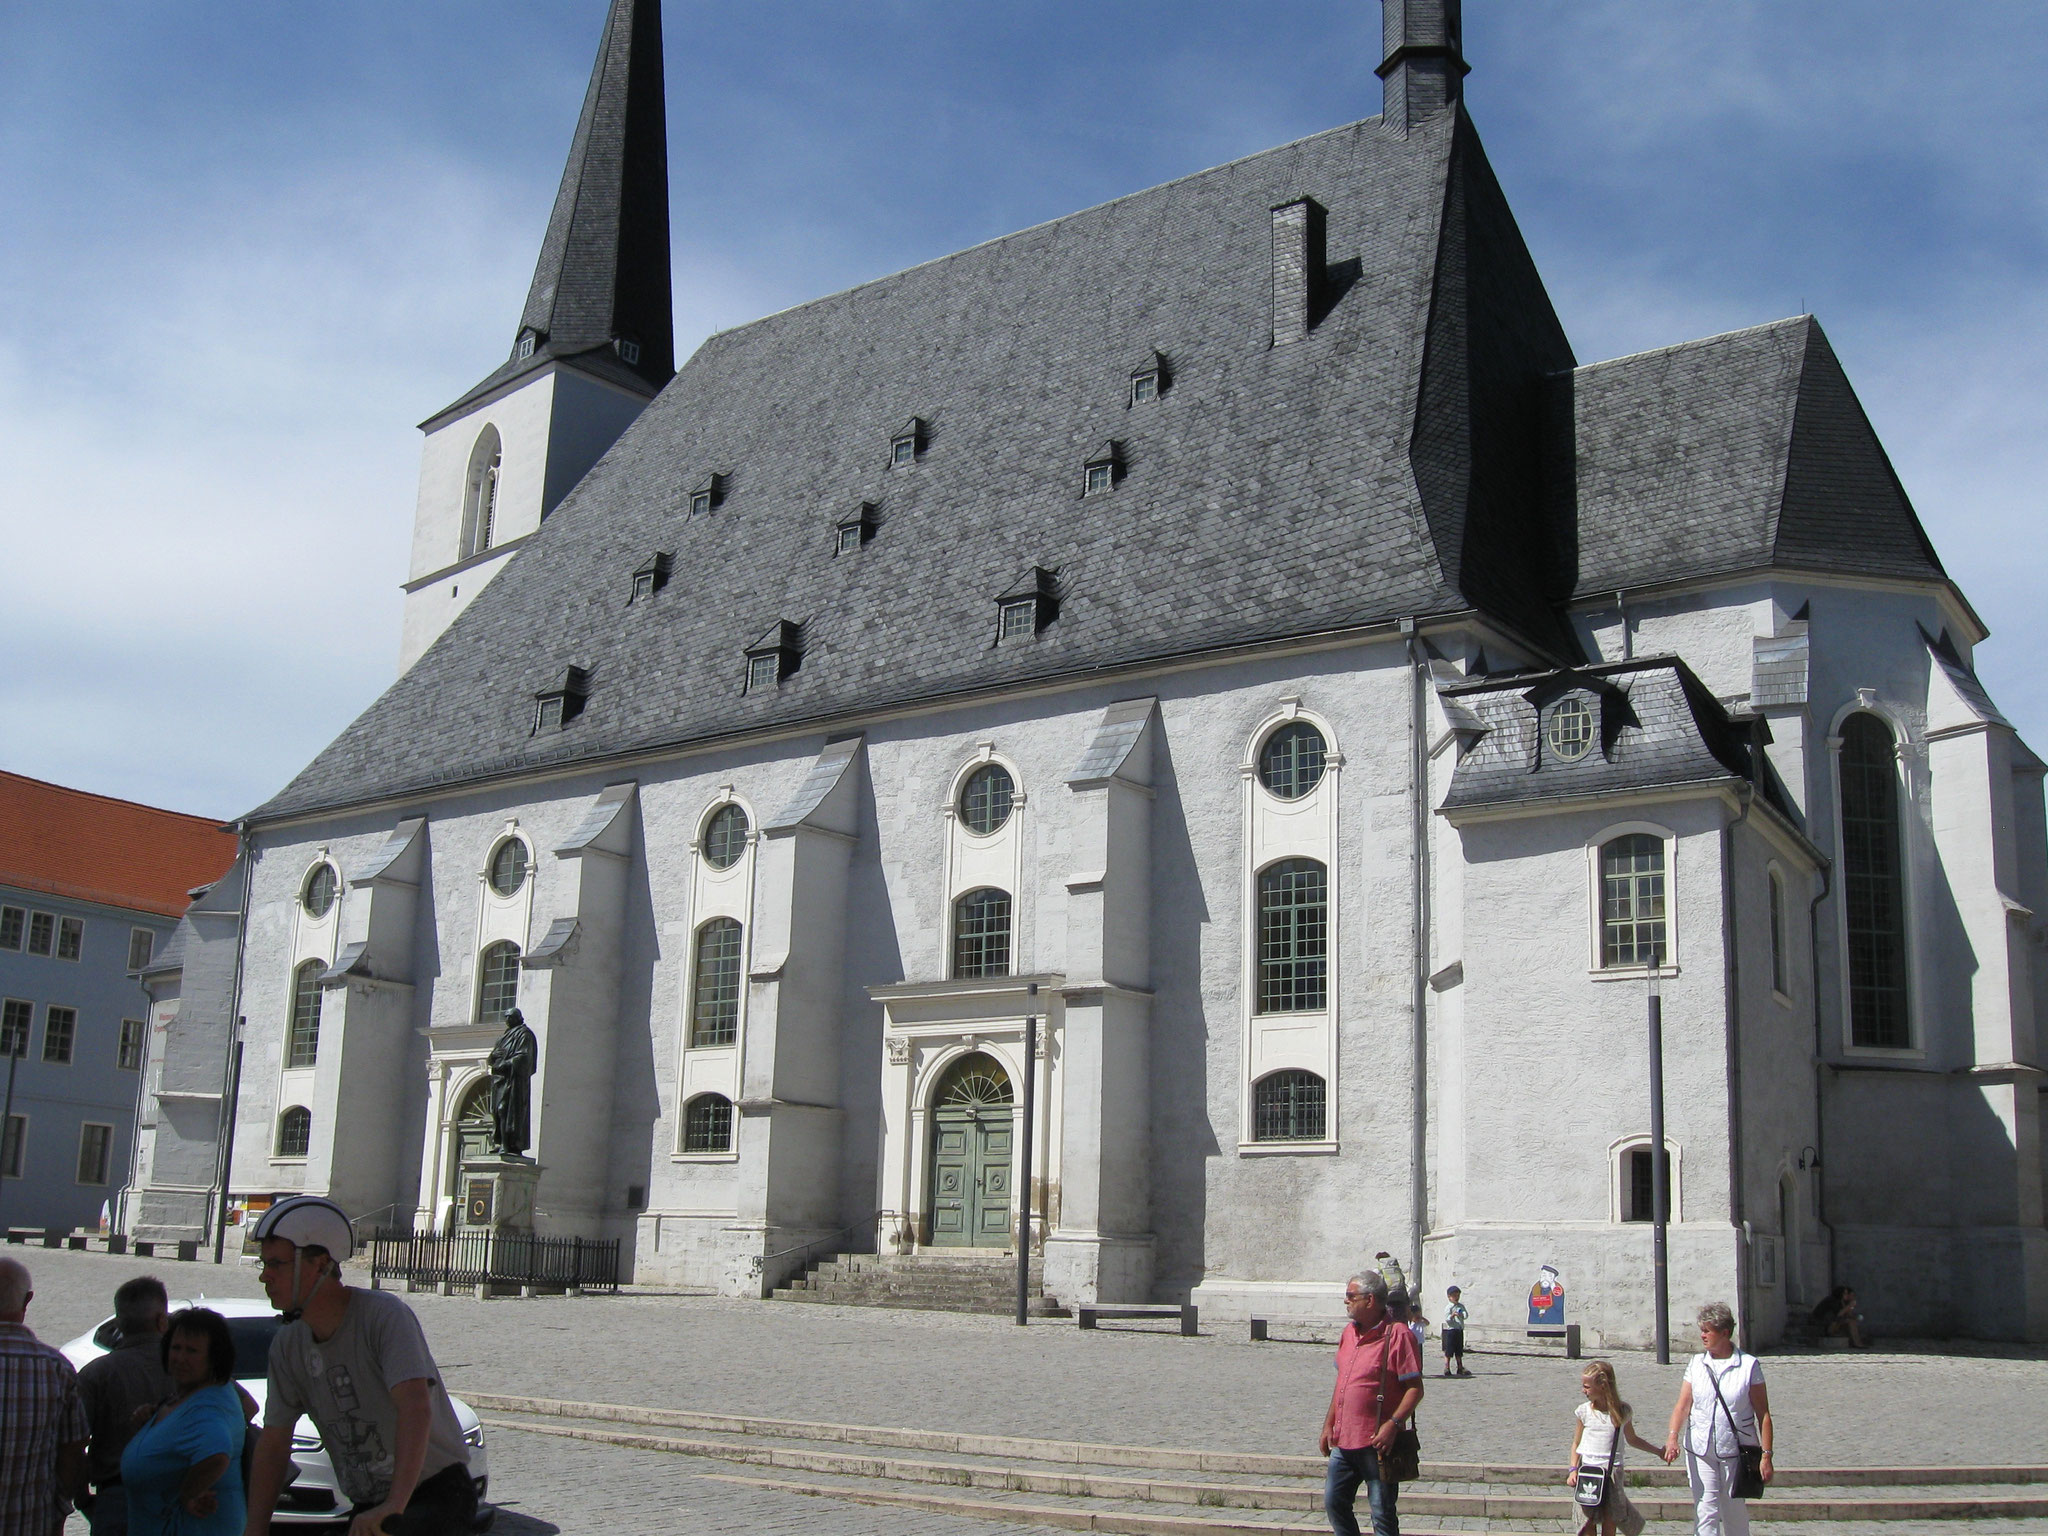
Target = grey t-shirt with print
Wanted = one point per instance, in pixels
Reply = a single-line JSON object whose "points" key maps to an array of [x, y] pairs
{"points": [[345, 1383]]}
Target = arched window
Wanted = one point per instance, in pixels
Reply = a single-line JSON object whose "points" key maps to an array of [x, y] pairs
{"points": [[480, 493], [981, 934], [1632, 901], [715, 1007], [320, 889], [725, 837], [1778, 935], [508, 866], [1639, 1189], [499, 993], [294, 1131], [303, 1046], [986, 798], [1873, 886], [1291, 762], [1288, 1106], [707, 1124], [1294, 937]]}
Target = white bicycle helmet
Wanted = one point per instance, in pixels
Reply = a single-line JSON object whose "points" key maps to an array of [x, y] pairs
{"points": [[309, 1221]]}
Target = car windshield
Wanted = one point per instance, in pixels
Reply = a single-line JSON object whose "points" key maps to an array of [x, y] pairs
{"points": [[252, 1336]]}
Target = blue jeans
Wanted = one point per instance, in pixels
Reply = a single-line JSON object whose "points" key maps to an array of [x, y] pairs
{"points": [[1340, 1493]]}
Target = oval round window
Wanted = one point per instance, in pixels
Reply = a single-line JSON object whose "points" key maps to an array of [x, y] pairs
{"points": [[1571, 730], [986, 799], [725, 838], [1291, 761], [508, 866], [321, 886]]}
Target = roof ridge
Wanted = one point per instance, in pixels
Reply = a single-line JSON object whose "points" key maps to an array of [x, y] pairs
{"points": [[1697, 341], [211, 822]]}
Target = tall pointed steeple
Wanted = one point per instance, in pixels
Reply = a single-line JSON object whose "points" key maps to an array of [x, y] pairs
{"points": [[600, 294]]}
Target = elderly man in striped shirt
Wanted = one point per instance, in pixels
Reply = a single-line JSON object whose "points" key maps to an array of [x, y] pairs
{"points": [[42, 1422]]}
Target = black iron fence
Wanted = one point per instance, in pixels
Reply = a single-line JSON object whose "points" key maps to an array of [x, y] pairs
{"points": [[466, 1259]]}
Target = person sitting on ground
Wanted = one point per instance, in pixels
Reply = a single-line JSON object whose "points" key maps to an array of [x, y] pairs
{"points": [[120, 1389], [1838, 1317], [182, 1470]]}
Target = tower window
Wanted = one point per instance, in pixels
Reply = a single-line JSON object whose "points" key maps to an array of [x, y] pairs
{"points": [[480, 493], [1873, 885], [321, 887], [629, 351]]}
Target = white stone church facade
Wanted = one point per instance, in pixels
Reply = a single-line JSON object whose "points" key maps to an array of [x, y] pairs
{"points": [[1230, 629]]}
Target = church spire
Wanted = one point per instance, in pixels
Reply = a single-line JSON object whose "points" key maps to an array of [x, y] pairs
{"points": [[1424, 68]]}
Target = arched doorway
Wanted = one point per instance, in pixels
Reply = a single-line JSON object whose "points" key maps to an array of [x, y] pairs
{"points": [[474, 1132], [972, 1123]]}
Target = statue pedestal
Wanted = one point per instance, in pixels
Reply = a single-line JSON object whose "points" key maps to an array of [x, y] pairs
{"points": [[497, 1193]]}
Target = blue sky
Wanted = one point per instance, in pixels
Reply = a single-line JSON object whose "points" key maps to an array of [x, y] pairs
{"points": [[246, 247]]}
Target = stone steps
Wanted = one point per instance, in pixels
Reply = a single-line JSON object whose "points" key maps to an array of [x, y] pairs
{"points": [[1105, 1487], [927, 1282]]}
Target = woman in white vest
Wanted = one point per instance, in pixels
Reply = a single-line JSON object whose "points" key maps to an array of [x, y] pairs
{"points": [[1722, 1410]]}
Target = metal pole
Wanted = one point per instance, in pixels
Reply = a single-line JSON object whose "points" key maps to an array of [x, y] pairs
{"points": [[1024, 1197], [227, 1144], [1659, 1194], [7, 1115]]}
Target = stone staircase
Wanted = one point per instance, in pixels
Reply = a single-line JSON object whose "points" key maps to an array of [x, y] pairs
{"points": [[1166, 1491], [972, 1280]]}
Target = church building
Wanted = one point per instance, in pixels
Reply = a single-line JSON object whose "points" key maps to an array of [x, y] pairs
{"points": [[1228, 637]]}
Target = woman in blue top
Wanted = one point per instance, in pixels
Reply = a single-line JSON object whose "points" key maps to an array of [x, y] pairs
{"points": [[183, 1469]]}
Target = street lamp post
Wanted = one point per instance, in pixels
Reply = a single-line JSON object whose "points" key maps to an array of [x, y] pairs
{"points": [[1660, 1194], [1024, 1195]]}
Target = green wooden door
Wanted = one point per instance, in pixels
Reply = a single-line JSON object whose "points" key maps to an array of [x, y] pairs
{"points": [[971, 1175]]}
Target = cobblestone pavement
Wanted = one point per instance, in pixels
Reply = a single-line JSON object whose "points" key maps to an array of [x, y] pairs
{"points": [[943, 1370]]}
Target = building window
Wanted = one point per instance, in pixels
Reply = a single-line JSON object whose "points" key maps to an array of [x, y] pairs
{"points": [[499, 994], [643, 586], [707, 1124], [508, 867], [1144, 386], [1778, 986], [42, 933], [725, 837], [480, 493], [981, 934], [1292, 760], [133, 1032], [16, 1018], [700, 503], [547, 713], [1873, 886], [1099, 478], [1017, 620], [13, 1146], [850, 538], [715, 1001], [629, 351], [707, 495], [986, 799], [12, 921], [70, 937], [903, 450], [141, 945], [764, 671], [95, 1151], [302, 1048], [294, 1131], [1288, 1106], [1294, 937], [321, 887], [1638, 1192], [60, 1034], [1632, 901], [526, 346], [561, 701], [1571, 730]]}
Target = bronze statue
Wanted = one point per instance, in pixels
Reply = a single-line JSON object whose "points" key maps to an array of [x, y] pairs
{"points": [[513, 1059]]}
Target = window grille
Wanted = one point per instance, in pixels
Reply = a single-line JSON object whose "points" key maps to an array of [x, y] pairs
{"points": [[1144, 386], [303, 1047], [499, 994], [42, 933], [981, 934], [12, 921], [715, 1006], [13, 1145], [849, 537], [130, 1050], [1641, 1204], [16, 1018], [1291, 762], [986, 800], [725, 837], [1873, 885], [60, 1034], [1100, 478], [1289, 1106], [707, 1124], [508, 866], [1018, 620], [70, 937], [1571, 730], [1632, 901], [141, 945], [294, 1131], [1294, 937], [95, 1147], [903, 450], [321, 887], [763, 671]]}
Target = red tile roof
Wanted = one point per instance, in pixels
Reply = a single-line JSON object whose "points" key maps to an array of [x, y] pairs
{"points": [[66, 842]]}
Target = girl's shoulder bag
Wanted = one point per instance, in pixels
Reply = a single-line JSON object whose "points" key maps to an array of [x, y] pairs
{"points": [[1590, 1491]]}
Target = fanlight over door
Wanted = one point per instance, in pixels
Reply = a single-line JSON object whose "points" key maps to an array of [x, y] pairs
{"points": [[972, 1123]]}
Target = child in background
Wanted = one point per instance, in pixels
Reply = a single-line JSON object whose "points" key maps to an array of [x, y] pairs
{"points": [[1453, 1332], [1604, 1422]]}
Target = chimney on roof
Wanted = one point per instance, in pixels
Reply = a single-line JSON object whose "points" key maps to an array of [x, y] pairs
{"points": [[1299, 259], [1424, 67]]}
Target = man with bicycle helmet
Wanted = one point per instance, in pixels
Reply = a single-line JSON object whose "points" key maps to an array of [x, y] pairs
{"points": [[358, 1362]]}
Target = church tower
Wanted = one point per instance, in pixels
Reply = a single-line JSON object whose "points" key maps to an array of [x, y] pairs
{"points": [[595, 343]]}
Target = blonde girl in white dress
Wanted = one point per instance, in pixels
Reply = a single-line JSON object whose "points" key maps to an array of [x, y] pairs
{"points": [[1603, 1420]]}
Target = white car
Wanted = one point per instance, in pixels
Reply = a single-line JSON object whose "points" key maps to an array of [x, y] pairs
{"points": [[312, 1497]]}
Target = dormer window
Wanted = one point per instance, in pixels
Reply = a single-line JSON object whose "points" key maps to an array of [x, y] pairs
{"points": [[1027, 607], [650, 577], [706, 495], [855, 531], [1571, 728], [1101, 470], [561, 701], [775, 656], [629, 351], [527, 339], [1148, 378], [907, 444]]}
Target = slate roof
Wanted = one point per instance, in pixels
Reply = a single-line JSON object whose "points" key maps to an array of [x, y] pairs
{"points": [[66, 842], [604, 265]]}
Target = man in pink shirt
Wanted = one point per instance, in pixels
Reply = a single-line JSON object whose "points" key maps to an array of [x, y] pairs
{"points": [[1379, 1384]]}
